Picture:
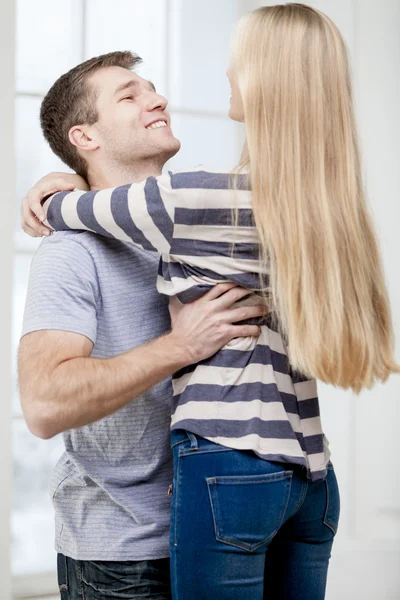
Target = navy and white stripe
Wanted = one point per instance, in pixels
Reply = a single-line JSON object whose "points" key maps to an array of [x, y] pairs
{"points": [[246, 396]]}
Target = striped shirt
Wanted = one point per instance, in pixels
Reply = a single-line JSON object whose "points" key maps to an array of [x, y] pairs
{"points": [[246, 396], [110, 487]]}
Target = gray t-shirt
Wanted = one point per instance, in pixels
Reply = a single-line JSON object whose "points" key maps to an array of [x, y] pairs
{"points": [[110, 487]]}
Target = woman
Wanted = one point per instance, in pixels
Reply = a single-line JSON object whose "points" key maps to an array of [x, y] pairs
{"points": [[255, 500]]}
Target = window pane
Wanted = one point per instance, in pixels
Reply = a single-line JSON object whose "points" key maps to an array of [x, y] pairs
{"points": [[33, 518], [34, 157], [130, 25], [48, 41], [213, 142], [200, 41]]}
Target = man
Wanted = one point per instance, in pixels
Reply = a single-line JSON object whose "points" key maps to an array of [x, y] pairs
{"points": [[95, 358]]}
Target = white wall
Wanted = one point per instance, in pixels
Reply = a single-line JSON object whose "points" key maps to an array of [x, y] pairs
{"points": [[198, 89], [363, 431], [377, 56], [7, 194]]}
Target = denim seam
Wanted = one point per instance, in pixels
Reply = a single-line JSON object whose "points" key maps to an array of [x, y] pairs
{"points": [[178, 442], [284, 509], [245, 479], [79, 577], [327, 521], [176, 492], [175, 499], [183, 441], [301, 499], [189, 451], [212, 509]]}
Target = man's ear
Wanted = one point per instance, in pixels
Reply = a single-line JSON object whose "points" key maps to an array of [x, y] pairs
{"points": [[79, 136]]}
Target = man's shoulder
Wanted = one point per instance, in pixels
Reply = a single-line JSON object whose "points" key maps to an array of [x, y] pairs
{"points": [[77, 254], [72, 242], [86, 239]]}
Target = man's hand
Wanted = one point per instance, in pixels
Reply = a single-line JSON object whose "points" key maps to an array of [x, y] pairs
{"points": [[62, 387], [204, 326], [32, 213]]}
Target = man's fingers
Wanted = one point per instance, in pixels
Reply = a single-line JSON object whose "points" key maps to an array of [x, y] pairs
{"points": [[245, 331], [38, 193], [174, 307], [245, 312], [60, 185], [31, 225], [218, 290], [31, 232], [28, 219], [33, 203], [228, 298]]}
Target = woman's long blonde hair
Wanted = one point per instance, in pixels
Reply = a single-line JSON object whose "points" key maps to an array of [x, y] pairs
{"points": [[326, 278]]}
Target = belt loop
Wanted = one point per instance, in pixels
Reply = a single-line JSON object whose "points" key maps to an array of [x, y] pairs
{"points": [[193, 440]]}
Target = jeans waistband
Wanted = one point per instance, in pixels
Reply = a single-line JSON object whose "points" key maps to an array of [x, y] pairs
{"points": [[180, 436]]}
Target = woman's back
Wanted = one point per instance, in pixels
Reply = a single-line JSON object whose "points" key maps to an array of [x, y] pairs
{"points": [[246, 396]]}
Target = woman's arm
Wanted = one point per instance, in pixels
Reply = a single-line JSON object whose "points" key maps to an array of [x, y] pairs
{"points": [[141, 213]]}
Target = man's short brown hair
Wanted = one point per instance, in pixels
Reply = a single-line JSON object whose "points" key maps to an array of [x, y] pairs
{"points": [[72, 101]]}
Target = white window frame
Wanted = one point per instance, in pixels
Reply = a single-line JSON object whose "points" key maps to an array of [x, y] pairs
{"points": [[7, 195]]}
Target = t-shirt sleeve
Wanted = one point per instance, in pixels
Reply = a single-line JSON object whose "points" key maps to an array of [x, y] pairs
{"points": [[142, 213], [63, 289]]}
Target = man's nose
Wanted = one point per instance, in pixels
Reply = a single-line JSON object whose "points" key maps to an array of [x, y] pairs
{"points": [[157, 102]]}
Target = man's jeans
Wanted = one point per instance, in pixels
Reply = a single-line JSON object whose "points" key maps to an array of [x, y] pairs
{"points": [[105, 580], [247, 529]]}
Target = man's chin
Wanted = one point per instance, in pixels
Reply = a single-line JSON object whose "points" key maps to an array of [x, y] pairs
{"points": [[173, 148], [159, 153], [177, 145]]}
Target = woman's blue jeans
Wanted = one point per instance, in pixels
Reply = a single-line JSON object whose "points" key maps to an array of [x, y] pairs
{"points": [[243, 528]]}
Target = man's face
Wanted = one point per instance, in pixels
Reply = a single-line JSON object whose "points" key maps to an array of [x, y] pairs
{"points": [[133, 124]]}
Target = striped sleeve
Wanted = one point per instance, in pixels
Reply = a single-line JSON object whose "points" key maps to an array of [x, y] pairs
{"points": [[142, 213]]}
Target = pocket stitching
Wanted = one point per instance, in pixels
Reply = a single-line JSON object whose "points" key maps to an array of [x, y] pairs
{"points": [[191, 451], [241, 480]]}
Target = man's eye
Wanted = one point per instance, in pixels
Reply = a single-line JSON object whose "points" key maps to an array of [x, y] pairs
{"points": [[127, 98]]}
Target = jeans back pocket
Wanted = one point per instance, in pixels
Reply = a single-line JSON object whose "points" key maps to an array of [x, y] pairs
{"points": [[248, 510]]}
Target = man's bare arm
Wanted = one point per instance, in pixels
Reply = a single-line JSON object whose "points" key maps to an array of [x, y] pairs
{"points": [[62, 387]]}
